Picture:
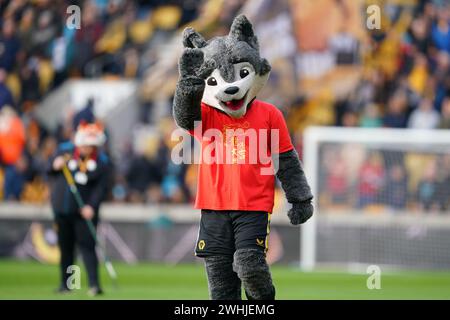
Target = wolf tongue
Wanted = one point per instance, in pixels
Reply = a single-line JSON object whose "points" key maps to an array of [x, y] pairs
{"points": [[234, 104]]}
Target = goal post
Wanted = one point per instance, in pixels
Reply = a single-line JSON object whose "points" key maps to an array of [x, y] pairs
{"points": [[380, 197]]}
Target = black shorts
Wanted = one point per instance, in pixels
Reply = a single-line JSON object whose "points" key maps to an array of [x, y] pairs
{"points": [[224, 232]]}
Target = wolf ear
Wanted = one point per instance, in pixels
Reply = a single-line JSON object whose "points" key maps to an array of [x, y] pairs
{"points": [[193, 39], [242, 30]]}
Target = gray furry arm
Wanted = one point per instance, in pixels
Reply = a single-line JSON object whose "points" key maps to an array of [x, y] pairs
{"points": [[292, 178], [297, 190], [187, 100]]}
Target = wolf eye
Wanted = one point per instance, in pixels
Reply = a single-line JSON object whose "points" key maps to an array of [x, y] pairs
{"points": [[212, 81], [243, 73]]}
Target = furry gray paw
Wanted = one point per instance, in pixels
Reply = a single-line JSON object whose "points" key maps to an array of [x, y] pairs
{"points": [[192, 39], [301, 212], [192, 64]]}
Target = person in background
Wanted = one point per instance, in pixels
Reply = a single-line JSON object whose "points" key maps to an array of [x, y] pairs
{"points": [[427, 187], [371, 117], [12, 144], [440, 32], [395, 116], [445, 120], [371, 180], [90, 169], [424, 117], [396, 190], [6, 97], [350, 119], [337, 181], [9, 44], [442, 196], [29, 82]]}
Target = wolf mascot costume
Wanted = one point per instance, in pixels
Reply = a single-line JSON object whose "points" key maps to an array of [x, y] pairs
{"points": [[219, 80]]}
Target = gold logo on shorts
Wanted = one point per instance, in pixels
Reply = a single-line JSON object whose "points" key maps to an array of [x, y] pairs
{"points": [[260, 242], [201, 244]]}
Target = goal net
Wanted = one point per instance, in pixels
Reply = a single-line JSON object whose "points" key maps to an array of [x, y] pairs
{"points": [[381, 197]]}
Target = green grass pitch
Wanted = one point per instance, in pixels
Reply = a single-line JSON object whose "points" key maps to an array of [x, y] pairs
{"points": [[32, 280]]}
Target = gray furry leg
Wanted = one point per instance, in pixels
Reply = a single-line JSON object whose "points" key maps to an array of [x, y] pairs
{"points": [[223, 282], [252, 269]]}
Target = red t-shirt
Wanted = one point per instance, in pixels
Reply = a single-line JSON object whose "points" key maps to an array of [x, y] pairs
{"points": [[235, 171], [371, 179]]}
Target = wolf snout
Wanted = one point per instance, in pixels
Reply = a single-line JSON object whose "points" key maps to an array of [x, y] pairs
{"points": [[231, 90]]}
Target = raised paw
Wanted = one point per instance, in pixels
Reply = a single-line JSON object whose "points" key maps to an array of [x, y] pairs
{"points": [[190, 62]]}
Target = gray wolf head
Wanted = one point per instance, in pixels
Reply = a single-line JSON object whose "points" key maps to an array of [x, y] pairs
{"points": [[239, 72]]}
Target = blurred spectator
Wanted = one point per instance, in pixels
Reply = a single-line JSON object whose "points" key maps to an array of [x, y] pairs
{"points": [[47, 28], [441, 31], [9, 45], [41, 156], [87, 36], [442, 196], [345, 47], [441, 79], [6, 97], [350, 119], [119, 190], [12, 142], [395, 116], [145, 172], [427, 187], [424, 117], [418, 34], [371, 180], [396, 191], [172, 184], [29, 83], [371, 117], [445, 121], [61, 53], [26, 29], [337, 183], [418, 75]]}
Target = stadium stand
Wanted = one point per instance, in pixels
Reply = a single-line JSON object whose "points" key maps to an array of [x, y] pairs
{"points": [[339, 75]]}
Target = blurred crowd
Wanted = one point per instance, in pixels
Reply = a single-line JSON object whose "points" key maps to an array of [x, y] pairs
{"points": [[39, 51], [401, 74], [358, 177], [406, 82]]}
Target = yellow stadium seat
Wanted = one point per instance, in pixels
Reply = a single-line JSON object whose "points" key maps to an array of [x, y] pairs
{"points": [[140, 31], [166, 17]]}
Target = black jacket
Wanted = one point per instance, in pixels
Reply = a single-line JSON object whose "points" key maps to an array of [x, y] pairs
{"points": [[93, 192]]}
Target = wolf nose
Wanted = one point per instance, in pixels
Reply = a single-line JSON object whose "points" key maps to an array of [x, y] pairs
{"points": [[231, 90]]}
